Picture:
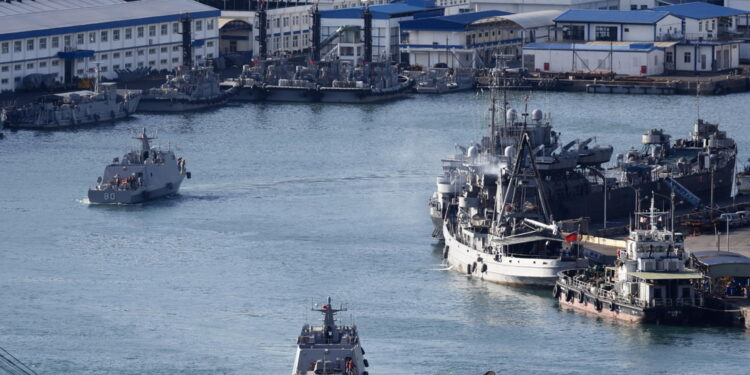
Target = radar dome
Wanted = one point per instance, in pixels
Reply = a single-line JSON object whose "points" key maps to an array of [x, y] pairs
{"points": [[473, 151], [536, 115], [511, 115], [510, 151]]}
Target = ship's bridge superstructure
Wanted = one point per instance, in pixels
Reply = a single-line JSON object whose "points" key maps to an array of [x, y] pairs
{"points": [[330, 348]]}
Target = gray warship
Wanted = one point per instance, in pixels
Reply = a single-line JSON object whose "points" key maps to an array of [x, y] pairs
{"points": [[78, 108], [444, 80], [248, 86], [698, 169], [329, 349], [142, 175], [191, 88]]}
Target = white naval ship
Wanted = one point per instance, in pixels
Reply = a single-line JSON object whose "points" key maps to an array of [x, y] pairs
{"points": [[515, 240], [147, 174], [329, 349]]}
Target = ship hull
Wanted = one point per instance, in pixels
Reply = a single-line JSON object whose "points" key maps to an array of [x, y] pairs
{"points": [[290, 94], [507, 270], [361, 96], [580, 300], [77, 117], [248, 94], [156, 105], [132, 196]]}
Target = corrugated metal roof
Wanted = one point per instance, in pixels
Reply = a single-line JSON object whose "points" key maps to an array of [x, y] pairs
{"points": [[51, 17], [712, 258], [700, 10], [456, 22], [527, 20], [612, 16], [618, 47], [381, 11]]}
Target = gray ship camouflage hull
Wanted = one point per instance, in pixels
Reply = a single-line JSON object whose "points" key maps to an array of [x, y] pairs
{"points": [[131, 197]]}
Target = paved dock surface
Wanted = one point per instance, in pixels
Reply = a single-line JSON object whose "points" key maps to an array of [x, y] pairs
{"points": [[739, 241]]}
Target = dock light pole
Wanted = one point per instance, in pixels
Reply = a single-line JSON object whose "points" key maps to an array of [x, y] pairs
{"points": [[605, 202], [729, 218]]}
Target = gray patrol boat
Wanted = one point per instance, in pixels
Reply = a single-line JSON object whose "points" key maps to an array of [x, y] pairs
{"points": [[142, 175], [78, 108], [330, 348]]}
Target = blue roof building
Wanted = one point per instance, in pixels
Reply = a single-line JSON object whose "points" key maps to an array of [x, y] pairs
{"points": [[616, 25], [456, 22], [342, 28], [700, 10]]}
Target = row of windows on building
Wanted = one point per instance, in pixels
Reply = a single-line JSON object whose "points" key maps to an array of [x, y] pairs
{"points": [[103, 36], [284, 21], [297, 41]]}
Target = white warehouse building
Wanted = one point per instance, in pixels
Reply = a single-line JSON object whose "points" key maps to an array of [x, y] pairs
{"points": [[69, 38]]}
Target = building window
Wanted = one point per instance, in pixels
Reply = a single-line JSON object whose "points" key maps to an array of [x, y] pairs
{"points": [[80, 39], [175, 59], [164, 49], [668, 57], [606, 33], [152, 63], [116, 55], [140, 32], [209, 44], [43, 64], [140, 52], [5, 68], [115, 34], [129, 33], [210, 24], [295, 20], [128, 53], [117, 66], [198, 25], [30, 45], [5, 47], [643, 6], [700, 25], [30, 66], [140, 64], [151, 51], [55, 62], [176, 48], [286, 21], [687, 57], [4, 81], [276, 22], [105, 56], [43, 43], [164, 29], [127, 66], [92, 37], [152, 30], [286, 42], [633, 7], [294, 41], [163, 61], [104, 36], [210, 55], [104, 69], [573, 32], [176, 28], [67, 41], [55, 42], [17, 67]]}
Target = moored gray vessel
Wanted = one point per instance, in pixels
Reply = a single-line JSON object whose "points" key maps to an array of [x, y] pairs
{"points": [[77, 108], [192, 88], [141, 175], [330, 348]]}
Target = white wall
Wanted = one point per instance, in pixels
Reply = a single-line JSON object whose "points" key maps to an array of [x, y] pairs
{"points": [[385, 34], [626, 63], [637, 4], [707, 29], [629, 32], [124, 47]]}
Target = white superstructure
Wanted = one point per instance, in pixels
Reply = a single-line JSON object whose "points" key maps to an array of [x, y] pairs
{"points": [[67, 38]]}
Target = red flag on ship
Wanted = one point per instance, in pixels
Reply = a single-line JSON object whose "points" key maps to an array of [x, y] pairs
{"points": [[573, 237]]}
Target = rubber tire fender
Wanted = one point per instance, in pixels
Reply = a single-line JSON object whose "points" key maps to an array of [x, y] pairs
{"points": [[556, 291], [484, 268]]}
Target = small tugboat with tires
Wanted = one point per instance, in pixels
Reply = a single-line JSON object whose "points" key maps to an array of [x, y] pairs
{"points": [[648, 283], [143, 175], [329, 349]]}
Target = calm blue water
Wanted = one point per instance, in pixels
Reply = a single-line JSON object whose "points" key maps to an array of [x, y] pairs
{"points": [[291, 203]]}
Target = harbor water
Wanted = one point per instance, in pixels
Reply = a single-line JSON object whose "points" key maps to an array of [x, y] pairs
{"points": [[289, 204]]}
